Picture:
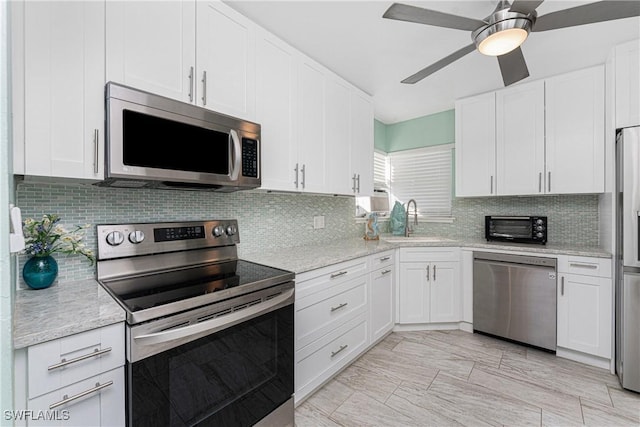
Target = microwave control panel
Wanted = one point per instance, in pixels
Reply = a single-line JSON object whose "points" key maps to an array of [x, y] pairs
{"points": [[250, 157]]}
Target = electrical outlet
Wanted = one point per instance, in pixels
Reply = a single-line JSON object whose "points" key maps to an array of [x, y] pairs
{"points": [[318, 222]]}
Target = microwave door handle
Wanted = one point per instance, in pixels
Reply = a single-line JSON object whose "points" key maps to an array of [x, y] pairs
{"points": [[237, 155]]}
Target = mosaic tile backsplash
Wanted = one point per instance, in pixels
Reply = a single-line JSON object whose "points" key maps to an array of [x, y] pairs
{"points": [[269, 221]]}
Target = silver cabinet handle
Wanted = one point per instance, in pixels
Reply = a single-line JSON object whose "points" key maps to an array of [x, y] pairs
{"points": [[491, 192], [353, 182], [358, 183], [580, 265], [65, 362], [428, 273], [342, 273], [549, 181], [296, 171], [383, 272], [434, 273], [562, 285], [191, 84], [204, 88], [386, 258], [342, 347], [96, 144], [540, 182], [66, 399], [304, 175], [338, 307]]}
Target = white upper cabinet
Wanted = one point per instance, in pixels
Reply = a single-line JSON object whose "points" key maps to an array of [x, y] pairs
{"points": [[627, 84], [276, 85], [361, 143], [225, 60], [520, 139], [476, 145], [338, 122], [152, 46], [63, 78], [575, 132], [549, 138]]}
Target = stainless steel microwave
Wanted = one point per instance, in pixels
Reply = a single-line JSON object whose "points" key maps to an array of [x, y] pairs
{"points": [[520, 229], [157, 142]]}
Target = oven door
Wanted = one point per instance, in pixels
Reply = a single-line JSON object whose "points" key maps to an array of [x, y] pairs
{"points": [[232, 365]]}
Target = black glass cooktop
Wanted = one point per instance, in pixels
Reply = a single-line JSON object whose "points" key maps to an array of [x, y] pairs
{"points": [[197, 284]]}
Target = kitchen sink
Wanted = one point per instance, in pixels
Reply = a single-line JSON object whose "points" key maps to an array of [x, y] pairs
{"points": [[416, 239]]}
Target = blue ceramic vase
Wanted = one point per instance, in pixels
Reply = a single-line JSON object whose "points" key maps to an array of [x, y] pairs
{"points": [[40, 272]]}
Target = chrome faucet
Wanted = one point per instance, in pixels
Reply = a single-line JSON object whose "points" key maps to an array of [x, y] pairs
{"points": [[407, 229]]}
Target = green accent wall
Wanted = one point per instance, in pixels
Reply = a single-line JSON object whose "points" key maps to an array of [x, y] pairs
{"points": [[380, 136], [426, 131]]}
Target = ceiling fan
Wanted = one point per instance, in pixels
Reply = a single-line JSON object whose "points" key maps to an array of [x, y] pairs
{"points": [[502, 32]]}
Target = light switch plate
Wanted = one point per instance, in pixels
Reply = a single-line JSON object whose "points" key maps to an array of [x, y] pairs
{"points": [[318, 222]]}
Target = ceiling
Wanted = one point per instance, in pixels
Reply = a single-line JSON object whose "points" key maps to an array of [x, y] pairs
{"points": [[375, 54]]}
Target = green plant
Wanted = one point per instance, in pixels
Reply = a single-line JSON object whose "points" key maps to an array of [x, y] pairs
{"points": [[47, 237]]}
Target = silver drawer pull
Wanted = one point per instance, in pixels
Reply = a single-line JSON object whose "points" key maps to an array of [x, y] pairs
{"points": [[65, 362], [342, 347], [387, 258], [383, 272], [562, 286], [575, 264], [342, 273], [66, 399], [338, 307]]}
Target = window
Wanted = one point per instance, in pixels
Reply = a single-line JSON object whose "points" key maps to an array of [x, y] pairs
{"points": [[380, 171], [423, 174]]}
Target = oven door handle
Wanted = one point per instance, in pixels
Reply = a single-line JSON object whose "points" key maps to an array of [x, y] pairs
{"points": [[218, 323]]}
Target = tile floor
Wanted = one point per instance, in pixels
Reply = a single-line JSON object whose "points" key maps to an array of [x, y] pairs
{"points": [[453, 378]]}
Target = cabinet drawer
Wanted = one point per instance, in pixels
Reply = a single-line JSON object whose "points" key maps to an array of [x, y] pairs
{"points": [[321, 312], [317, 362], [322, 278], [383, 259], [586, 266], [429, 254], [96, 401], [55, 364]]}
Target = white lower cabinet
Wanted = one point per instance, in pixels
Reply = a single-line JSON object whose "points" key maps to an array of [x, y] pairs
{"points": [[585, 305], [76, 380], [429, 286], [381, 280]]}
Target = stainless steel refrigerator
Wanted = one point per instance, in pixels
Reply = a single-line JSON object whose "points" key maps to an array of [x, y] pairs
{"points": [[628, 258]]}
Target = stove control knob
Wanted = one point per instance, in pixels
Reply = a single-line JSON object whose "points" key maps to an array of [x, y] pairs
{"points": [[115, 238], [539, 235], [136, 237], [231, 230], [218, 231]]}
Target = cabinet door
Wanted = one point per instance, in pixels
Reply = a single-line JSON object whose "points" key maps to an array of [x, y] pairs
{"points": [[381, 309], [627, 83], [575, 132], [476, 146], [151, 46], [362, 143], [584, 314], [275, 111], [444, 298], [311, 138], [338, 122], [225, 58], [414, 292], [520, 139], [99, 401], [64, 89]]}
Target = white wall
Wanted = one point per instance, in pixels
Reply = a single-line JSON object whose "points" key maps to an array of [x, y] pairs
{"points": [[6, 194]]}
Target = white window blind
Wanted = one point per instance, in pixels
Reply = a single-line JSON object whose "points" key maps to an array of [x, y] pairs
{"points": [[380, 171], [423, 174]]}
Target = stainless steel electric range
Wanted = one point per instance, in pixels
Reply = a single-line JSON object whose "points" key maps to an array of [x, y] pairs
{"points": [[210, 337]]}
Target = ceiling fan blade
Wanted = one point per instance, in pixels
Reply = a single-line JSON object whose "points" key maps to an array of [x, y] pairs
{"points": [[440, 64], [513, 67], [525, 6], [587, 14], [405, 12]]}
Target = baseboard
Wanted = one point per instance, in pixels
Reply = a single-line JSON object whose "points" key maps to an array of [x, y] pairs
{"points": [[587, 359], [427, 327]]}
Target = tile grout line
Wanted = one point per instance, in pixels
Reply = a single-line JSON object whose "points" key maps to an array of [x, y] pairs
{"points": [[581, 409]]}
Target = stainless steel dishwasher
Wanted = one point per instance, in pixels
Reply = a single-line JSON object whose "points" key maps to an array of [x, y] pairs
{"points": [[514, 297]]}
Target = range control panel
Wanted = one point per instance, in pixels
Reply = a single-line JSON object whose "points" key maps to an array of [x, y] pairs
{"points": [[125, 240]]}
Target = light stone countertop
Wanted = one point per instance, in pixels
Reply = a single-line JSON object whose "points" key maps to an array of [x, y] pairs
{"points": [[62, 310]]}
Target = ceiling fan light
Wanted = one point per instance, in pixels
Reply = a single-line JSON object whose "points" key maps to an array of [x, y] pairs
{"points": [[503, 41]]}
